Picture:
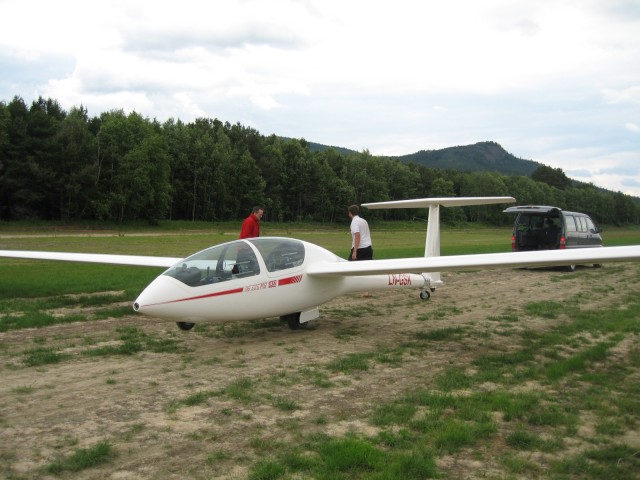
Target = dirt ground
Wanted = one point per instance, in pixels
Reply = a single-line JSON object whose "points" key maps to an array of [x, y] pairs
{"points": [[138, 402]]}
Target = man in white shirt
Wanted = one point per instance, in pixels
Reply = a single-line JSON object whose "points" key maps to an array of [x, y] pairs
{"points": [[361, 245]]}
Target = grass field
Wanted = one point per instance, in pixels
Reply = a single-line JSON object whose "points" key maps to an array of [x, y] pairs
{"points": [[503, 374]]}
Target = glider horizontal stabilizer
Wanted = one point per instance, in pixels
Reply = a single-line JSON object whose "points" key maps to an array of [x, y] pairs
{"points": [[432, 241], [444, 201]]}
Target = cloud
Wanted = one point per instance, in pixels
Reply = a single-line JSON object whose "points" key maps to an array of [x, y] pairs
{"points": [[579, 173], [632, 127], [555, 83], [630, 170], [630, 182], [630, 95]]}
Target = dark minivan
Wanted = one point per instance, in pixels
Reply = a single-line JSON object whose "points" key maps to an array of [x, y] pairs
{"points": [[549, 228]]}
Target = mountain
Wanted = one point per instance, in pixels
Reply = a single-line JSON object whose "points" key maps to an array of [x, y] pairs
{"points": [[482, 156]]}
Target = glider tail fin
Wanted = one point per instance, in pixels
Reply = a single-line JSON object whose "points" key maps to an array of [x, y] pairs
{"points": [[432, 244]]}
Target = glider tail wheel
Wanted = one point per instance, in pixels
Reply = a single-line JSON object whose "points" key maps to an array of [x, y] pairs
{"points": [[185, 325], [425, 294], [293, 320]]}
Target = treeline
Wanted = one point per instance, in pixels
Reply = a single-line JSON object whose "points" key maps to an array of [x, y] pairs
{"points": [[58, 165]]}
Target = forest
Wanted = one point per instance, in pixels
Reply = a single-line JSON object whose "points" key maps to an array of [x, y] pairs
{"points": [[67, 166]]}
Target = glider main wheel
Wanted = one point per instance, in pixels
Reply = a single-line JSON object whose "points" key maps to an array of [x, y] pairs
{"points": [[185, 325], [425, 295], [571, 268], [293, 320]]}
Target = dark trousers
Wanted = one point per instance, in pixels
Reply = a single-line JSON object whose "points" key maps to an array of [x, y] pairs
{"points": [[365, 253]]}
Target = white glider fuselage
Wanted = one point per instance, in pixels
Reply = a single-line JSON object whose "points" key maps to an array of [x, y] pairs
{"points": [[217, 290]]}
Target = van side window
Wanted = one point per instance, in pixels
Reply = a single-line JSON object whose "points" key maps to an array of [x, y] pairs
{"points": [[571, 223], [583, 224], [590, 226]]}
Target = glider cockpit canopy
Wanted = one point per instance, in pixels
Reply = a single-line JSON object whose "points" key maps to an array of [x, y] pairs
{"points": [[238, 259]]}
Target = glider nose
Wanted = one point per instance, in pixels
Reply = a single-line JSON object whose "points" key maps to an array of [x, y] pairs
{"points": [[165, 298], [152, 300]]}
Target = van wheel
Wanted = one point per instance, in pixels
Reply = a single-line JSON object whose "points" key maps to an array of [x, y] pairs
{"points": [[185, 326]]}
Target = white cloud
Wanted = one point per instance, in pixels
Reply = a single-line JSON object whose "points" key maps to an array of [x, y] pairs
{"points": [[629, 95], [632, 127], [553, 82]]}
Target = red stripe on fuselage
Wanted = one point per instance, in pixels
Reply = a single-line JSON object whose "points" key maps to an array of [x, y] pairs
{"points": [[290, 280], [199, 297]]}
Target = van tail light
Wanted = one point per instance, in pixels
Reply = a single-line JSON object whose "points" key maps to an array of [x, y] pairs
{"points": [[513, 243], [563, 243]]}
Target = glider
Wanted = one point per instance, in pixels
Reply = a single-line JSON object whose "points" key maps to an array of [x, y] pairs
{"points": [[274, 276]]}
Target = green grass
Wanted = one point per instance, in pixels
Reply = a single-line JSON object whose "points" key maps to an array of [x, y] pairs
{"points": [[242, 389], [348, 457], [132, 340], [34, 279], [36, 357], [285, 404], [83, 458], [441, 334], [360, 362]]}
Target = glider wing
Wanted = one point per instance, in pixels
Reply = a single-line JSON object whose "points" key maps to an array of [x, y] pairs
{"points": [[134, 260], [472, 262]]}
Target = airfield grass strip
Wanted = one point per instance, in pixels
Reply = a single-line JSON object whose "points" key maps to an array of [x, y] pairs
{"points": [[492, 400], [571, 361]]}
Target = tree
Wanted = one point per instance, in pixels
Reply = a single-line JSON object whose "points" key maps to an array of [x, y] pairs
{"points": [[442, 187], [480, 184], [17, 197], [76, 168], [625, 211], [135, 184], [553, 177]]}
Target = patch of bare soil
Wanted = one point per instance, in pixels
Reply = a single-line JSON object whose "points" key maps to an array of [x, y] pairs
{"points": [[260, 386]]}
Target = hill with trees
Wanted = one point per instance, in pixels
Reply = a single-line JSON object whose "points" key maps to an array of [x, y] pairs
{"points": [[68, 166], [480, 157]]}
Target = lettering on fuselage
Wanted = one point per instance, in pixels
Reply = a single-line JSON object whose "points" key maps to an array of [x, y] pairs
{"points": [[257, 286], [273, 283], [399, 279]]}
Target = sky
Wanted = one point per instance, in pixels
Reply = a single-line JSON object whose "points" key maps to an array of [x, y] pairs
{"points": [[555, 82]]}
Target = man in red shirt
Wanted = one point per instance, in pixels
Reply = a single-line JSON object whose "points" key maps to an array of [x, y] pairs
{"points": [[251, 224]]}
